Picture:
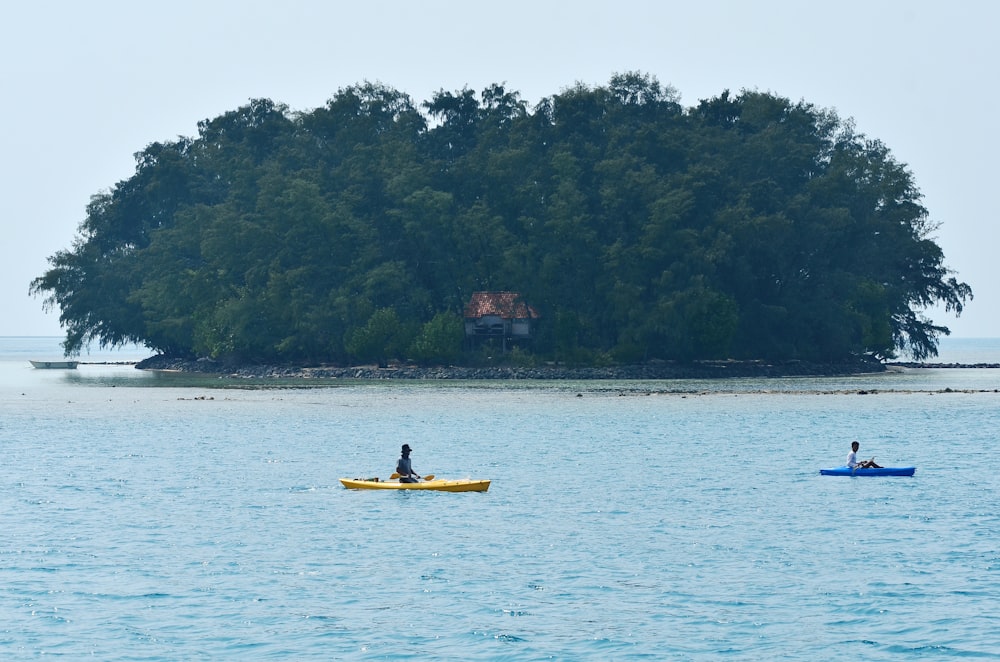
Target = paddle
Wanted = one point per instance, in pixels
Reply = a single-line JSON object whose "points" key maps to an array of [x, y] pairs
{"points": [[396, 475]]}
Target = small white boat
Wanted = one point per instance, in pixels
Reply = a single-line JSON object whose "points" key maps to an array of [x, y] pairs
{"points": [[55, 365]]}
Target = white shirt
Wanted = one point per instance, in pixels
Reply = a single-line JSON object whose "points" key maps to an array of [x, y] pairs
{"points": [[852, 459]]}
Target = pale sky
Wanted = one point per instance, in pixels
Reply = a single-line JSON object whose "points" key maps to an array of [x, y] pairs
{"points": [[87, 84]]}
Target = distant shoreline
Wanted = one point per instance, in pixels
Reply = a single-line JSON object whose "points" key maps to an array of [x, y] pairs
{"points": [[651, 371], [647, 371], [967, 366]]}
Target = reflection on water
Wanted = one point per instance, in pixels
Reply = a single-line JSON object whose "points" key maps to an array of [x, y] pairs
{"points": [[113, 368], [930, 380]]}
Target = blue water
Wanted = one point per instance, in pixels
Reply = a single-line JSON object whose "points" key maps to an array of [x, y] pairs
{"points": [[150, 517]]}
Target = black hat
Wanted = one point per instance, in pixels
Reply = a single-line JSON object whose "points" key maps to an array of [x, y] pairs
{"points": [[406, 448]]}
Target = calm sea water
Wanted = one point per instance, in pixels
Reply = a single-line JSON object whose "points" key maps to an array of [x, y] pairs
{"points": [[160, 517]]}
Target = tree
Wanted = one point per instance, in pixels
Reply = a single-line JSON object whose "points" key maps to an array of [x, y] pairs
{"points": [[439, 341], [382, 338], [747, 226]]}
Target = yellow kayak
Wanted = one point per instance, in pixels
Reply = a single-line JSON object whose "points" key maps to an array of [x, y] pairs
{"points": [[438, 484]]}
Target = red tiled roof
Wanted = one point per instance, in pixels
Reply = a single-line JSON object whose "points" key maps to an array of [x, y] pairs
{"points": [[506, 305]]}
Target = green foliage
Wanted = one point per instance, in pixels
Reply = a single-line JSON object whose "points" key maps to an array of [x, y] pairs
{"points": [[439, 341], [520, 358], [745, 227], [382, 338]]}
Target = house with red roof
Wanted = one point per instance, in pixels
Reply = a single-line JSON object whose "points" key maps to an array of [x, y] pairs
{"points": [[502, 316]]}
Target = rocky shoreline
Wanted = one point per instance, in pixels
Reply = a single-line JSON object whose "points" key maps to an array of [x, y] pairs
{"points": [[657, 370], [906, 364]]}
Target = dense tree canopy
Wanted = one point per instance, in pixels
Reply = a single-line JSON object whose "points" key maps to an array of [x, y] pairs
{"points": [[747, 226]]}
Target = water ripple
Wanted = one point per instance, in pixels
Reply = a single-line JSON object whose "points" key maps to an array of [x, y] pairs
{"points": [[144, 524]]}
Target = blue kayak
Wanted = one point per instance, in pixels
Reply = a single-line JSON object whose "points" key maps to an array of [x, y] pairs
{"points": [[883, 471]]}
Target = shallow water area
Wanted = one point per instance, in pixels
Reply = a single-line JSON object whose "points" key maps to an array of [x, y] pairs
{"points": [[154, 516]]}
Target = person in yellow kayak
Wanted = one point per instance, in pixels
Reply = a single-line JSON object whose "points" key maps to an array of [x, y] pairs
{"points": [[852, 459], [405, 469]]}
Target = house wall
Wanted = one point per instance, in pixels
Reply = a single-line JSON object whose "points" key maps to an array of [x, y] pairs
{"points": [[490, 325], [520, 328]]}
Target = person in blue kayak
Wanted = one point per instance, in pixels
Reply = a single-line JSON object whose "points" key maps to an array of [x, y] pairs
{"points": [[405, 469], [852, 459]]}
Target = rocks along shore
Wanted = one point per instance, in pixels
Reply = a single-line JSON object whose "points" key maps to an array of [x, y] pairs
{"points": [[652, 370]]}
